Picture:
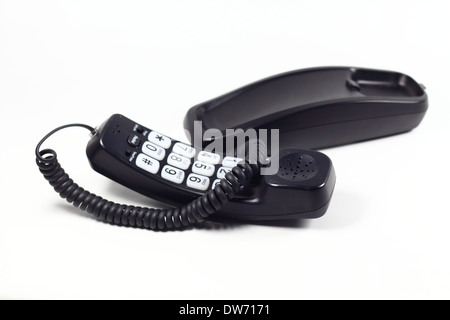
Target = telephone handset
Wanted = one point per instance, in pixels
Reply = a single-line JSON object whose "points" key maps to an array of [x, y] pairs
{"points": [[200, 183]]}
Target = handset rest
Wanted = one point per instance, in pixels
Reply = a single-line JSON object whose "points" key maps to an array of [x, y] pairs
{"points": [[320, 107]]}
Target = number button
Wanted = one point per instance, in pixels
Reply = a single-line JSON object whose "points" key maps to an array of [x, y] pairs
{"points": [[222, 172], [148, 164], [153, 151], [184, 150], [203, 168], [198, 182], [215, 183], [159, 139], [178, 161], [208, 157], [173, 174], [231, 162]]}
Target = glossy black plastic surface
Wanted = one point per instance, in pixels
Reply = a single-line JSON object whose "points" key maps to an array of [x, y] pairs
{"points": [[318, 108], [301, 189]]}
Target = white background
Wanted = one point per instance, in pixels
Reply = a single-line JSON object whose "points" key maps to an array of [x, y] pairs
{"points": [[387, 231]]}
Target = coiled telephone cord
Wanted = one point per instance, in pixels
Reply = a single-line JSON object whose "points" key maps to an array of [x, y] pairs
{"points": [[141, 217]]}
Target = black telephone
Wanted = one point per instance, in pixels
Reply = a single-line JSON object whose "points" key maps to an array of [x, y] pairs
{"points": [[201, 183]]}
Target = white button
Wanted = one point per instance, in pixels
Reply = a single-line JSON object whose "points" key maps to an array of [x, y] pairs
{"points": [[197, 181], [215, 183], [153, 150], [159, 139], [208, 157], [222, 172], [203, 168], [178, 161], [173, 174], [231, 162], [148, 164], [184, 150]]}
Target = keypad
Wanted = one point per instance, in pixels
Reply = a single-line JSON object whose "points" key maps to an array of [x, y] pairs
{"points": [[147, 163], [215, 183], [159, 139], [173, 174], [208, 157], [184, 150], [231, 162], [153, 150], [198, 182], [222, 172], [203, 168], [180, 163]]}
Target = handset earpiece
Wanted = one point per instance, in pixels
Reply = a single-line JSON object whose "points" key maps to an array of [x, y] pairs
{"points": [[301, 188]]}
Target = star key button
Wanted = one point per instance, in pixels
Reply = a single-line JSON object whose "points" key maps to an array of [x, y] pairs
{"points": [[159, 139]]}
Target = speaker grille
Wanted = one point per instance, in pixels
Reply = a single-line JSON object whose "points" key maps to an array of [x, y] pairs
{"points": [[297, 167]]}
